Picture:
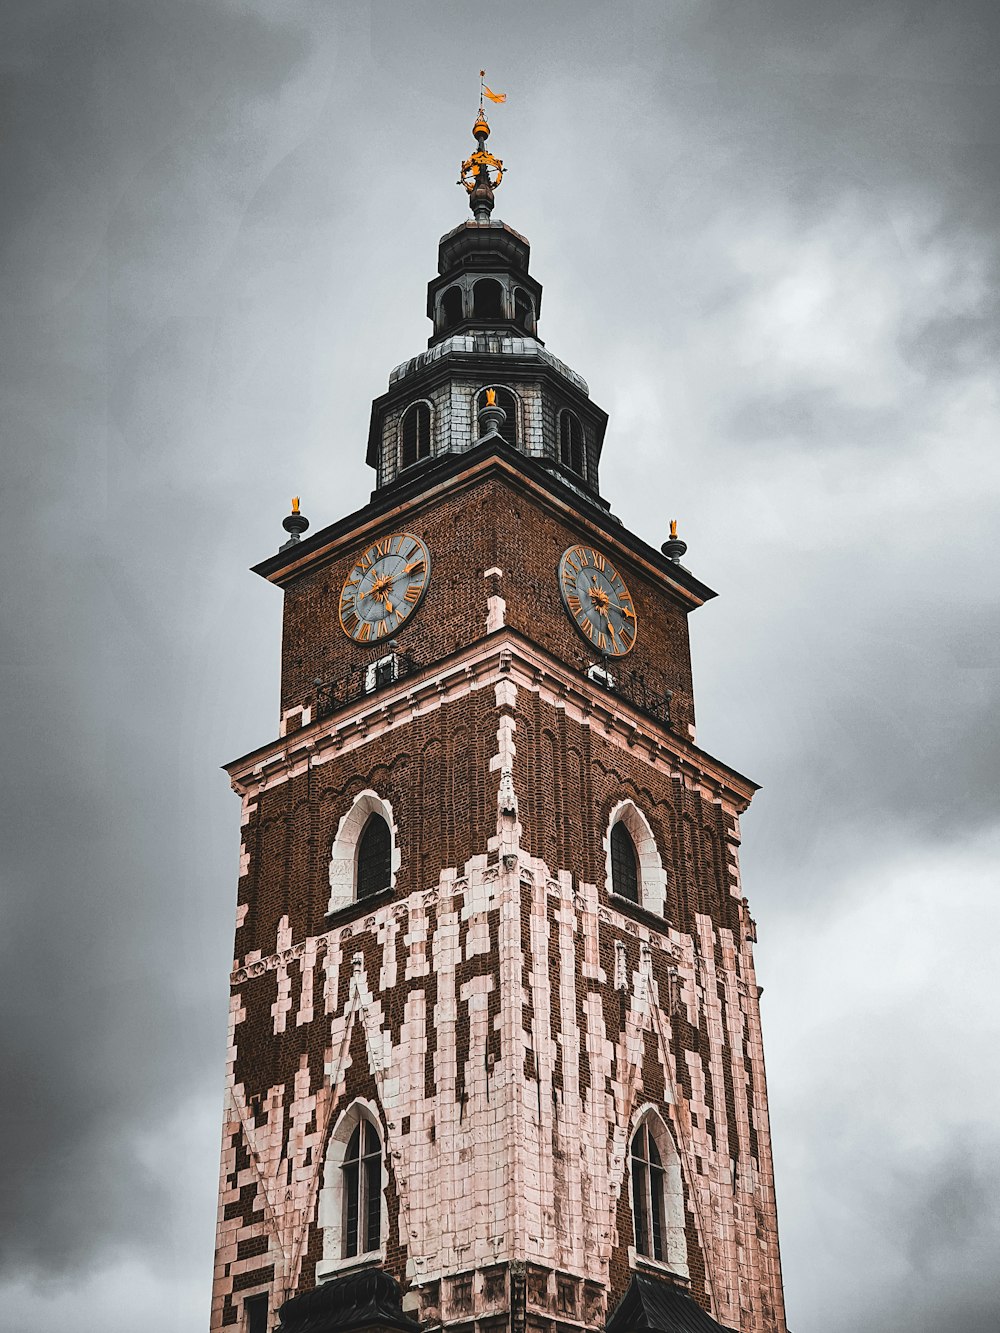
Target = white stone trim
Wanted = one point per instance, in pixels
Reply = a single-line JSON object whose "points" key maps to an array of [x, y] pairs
{"points": [[652, 876], [344, 852], [331, 1196]]}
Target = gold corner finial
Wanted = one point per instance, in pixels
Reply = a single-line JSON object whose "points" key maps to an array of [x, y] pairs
{"points": [[295, 504], [491, 397], [673, 527]]}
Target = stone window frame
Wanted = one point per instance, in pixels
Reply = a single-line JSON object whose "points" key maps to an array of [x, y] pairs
{"points": [[331, 1207], [344, 850], [652, 875], [674, 1213], [571, 417], [401, 466]]}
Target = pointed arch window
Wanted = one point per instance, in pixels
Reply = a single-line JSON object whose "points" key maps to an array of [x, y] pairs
{"points": [[365, 855], [374, 857], [571, 442], [416, 434], [362, 1190], [624, 863], [506, 400], [635, 869], [353, 1214], [648, 1201]]}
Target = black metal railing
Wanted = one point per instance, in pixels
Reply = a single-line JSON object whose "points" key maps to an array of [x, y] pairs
{"points": [[361, 682], [633, 690]]}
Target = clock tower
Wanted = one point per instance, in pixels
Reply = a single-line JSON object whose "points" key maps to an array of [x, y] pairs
{"points": [[495, 1057]]}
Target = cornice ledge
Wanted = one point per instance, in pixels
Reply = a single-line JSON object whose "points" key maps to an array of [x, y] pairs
{"points": [[375, 714], [504, 654], [620, 720]]}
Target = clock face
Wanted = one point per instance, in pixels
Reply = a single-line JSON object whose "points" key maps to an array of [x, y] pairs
{"points": [[598, 600], [384, 588]]}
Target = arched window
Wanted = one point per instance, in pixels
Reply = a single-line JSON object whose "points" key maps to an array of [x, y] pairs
{"points": [[365, 855], [647, 1195], [508, 402], [571, 442], [487, 299], [657, 1194], [524, 312], [362, 1190], [353, 1214], [451, 307], [374, 857], [416, 434], [624, 864], [634, 867]]}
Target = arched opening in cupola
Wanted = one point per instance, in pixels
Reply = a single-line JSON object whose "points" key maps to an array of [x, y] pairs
{"points": [[451, 307], [487, 299], [524, 311]]}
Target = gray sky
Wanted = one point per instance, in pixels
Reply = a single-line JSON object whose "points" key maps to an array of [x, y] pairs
{"points": [[768, 234]]}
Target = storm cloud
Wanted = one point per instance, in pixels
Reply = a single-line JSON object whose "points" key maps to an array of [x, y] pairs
{"points": [[769, 238]]}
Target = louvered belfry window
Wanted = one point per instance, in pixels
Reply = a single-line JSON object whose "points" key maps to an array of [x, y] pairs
{"points": [[571, 442], [416, 434], [647, 1194], [362, 1191], [374, 857], [624, 864]]}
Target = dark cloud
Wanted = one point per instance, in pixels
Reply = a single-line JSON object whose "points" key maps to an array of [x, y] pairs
{"points": [[768, 235]]}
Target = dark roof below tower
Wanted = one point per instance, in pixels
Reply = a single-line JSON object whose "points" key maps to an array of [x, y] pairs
{"points": [[370, 1299], [660, 1307]]}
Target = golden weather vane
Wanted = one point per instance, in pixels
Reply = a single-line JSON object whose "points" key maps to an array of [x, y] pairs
{"points": [[482, 172]]}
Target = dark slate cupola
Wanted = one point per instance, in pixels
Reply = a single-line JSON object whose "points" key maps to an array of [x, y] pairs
{"points": [[486, 372]]}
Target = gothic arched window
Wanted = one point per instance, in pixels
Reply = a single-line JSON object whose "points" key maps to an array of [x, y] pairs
{"points": [[624, 864], [374, 857], [524, 312], [362, 1190], [508, 402], [648, 1210], [451, 307], [571, 442], [352, 1213], [635, 868], [487, 299], [416, 434]]}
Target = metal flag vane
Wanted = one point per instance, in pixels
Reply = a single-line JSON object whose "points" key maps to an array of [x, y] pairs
{"points": [[482, 172], [484, 92]]}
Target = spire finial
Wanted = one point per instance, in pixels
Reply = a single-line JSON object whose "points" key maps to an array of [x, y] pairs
{"points": [[295, 524], [675, 547], [475, 171]]}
